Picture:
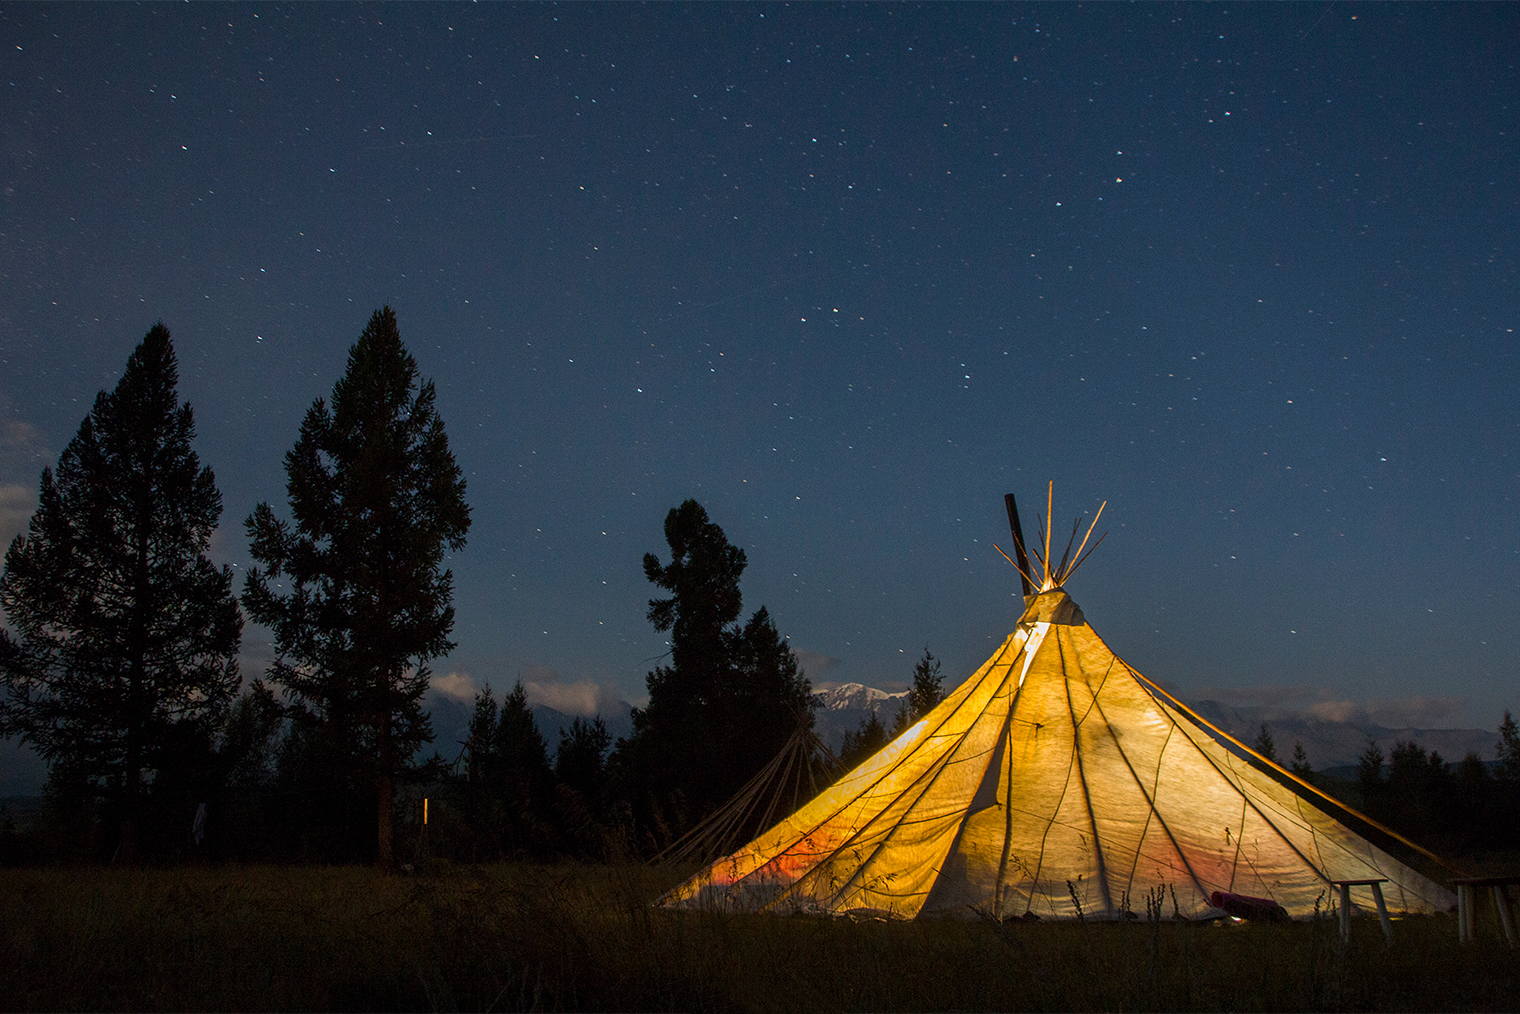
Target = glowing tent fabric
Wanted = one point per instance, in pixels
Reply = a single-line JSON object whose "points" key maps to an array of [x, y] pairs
{"points": [[1058, 779]]}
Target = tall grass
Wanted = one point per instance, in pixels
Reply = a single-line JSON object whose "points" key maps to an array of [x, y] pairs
{"points": [[521, 937]]}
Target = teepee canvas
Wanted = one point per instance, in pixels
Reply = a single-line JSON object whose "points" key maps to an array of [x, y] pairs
{"points": [[1058, 781]]}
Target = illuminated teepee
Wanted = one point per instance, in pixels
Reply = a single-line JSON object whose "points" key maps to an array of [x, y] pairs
{"points": [[1058, 781]]}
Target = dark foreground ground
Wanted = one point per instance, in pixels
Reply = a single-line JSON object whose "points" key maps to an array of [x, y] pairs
{"points": [[521, 937]]}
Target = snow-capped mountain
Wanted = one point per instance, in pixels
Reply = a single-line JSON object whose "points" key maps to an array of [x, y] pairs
{"points": [[856, 696], [847, 705]]}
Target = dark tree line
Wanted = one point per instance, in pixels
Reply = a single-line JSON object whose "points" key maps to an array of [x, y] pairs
{"points": [[119, 661], [512, 797], [1467, 807], [120, 667], [725, 704], [123, 670]]}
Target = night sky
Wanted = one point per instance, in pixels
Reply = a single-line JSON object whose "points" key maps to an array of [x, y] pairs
{"points": [[846, 275]]}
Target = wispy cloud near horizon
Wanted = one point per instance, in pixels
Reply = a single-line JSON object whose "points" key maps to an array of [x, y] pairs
{"points": [[17, 503], [545, 688], [1284, 702], [582, 698], [458, 686]]}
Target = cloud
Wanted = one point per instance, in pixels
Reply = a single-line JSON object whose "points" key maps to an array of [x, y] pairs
{"points": [[1285, 702], [21, 446], [22, 457], [1337, 711], [457, 686], [544, 688], [583, 697], [1288, 702], [16, 506], [1418, 712], [1293, 697], [814, 663]]}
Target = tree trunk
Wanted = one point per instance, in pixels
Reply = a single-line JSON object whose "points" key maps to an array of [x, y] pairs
{"points": [[384, 855], [126, 853], [142, 606], [131, 782]]}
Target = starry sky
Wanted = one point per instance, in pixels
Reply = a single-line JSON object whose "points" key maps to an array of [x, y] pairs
{"points": [[846, 275]]}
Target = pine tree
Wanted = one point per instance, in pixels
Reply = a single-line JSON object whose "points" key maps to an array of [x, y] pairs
{"points": [[703, 577], [1474, 798], [927, 691], [730, 696], [517, 744], [1369, 777], [377, 498], [250, 737], [506, 771], [1509, 749], [1418, 795], [479, 747], [580, 795], [769, 695], [1300, 765], [1265, 744], [126, 633], [581, 760], [862, 741]]}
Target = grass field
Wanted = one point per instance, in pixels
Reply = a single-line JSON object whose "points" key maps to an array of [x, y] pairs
{"points": [[521, 937]]}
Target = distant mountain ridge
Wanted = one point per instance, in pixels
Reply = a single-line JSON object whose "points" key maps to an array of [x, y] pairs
{"points": [[1330, 744], [1327, 744], [845, 706]]}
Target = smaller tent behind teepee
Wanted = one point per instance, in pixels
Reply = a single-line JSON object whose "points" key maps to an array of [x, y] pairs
{"points": [[1057, 781], [802, 767]]}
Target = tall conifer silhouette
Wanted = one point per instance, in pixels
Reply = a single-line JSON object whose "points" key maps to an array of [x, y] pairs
{"points": [[731, 695], [355, 591], [126, 633]]}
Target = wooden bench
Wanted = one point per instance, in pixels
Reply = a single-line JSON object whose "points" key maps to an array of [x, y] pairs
{"points": [[1467, 916], [1377, 896]]}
